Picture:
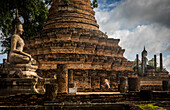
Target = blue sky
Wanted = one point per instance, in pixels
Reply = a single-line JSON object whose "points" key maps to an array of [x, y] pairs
{"points": [[136, 23], [108, 4], [2, 56]]}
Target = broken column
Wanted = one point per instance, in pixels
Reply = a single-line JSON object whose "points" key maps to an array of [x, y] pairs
{"points": [[161, 62], [155, 63], [62, 78]]}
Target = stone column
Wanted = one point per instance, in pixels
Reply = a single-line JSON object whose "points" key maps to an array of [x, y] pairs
{"points": [[161, 62], [134, 84], [143, 66], [155, 65], [62, 78], [123, 84], [137, 63]]}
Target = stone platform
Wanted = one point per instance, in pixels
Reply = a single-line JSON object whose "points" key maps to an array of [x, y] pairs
{"points": [[85, 101]]}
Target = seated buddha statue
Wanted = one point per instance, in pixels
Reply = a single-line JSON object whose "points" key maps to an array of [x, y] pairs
{"points": [[17, 56]]}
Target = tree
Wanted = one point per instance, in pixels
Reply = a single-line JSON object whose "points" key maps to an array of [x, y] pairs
{"points": [[151, 62], [33, 14], [94, 4], [164, 69]]}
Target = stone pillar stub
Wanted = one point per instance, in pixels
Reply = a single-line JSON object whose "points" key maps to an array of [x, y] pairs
{"points": [[134, 84], [165, 85], [123, 84], [62, 77]]}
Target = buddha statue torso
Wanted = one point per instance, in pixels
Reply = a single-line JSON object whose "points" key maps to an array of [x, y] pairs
{"points": [[17, 56]]}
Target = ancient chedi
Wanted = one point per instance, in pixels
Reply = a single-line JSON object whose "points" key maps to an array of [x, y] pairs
{"points": [[72, 48]]}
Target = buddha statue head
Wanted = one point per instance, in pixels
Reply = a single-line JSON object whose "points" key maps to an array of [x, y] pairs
{"points": [[17, 25]]}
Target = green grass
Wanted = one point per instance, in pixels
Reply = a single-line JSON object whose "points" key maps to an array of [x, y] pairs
{"points": [[150, 107]]}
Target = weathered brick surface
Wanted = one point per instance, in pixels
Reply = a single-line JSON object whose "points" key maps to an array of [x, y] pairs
{"points": [[71, 37]]}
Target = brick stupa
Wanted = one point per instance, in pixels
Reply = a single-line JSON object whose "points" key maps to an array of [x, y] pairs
{"points": [[72, 48]]}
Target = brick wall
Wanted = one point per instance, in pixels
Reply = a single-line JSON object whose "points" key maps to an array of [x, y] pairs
{"points": [[152, 83]]}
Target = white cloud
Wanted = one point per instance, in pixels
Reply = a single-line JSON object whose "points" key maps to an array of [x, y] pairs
{"points": [[114, 4], [167, 62], [130, 13], [137, 23], [154, 37], [134, 12]]}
